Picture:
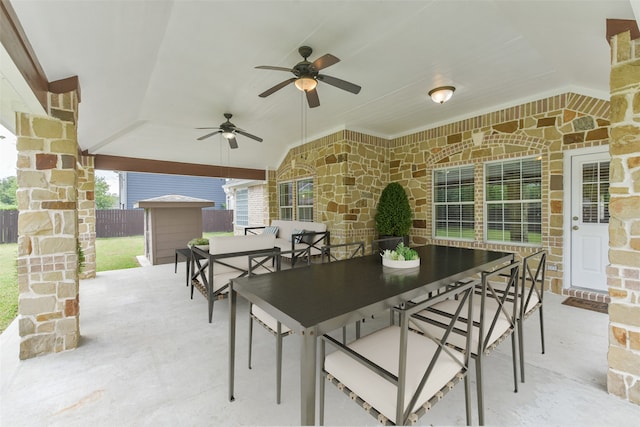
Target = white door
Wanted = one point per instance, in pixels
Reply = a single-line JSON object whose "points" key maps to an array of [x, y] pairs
{"points": [[589, 225]]}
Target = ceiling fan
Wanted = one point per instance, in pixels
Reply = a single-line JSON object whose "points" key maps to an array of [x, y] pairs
{"points": [[229, 131], [307, 77]]}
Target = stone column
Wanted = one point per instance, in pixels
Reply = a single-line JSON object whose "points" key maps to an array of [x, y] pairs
{"points": [[623, 273], [87, 216], [48, 308]]}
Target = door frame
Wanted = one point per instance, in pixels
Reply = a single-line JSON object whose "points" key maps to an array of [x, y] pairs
{"points": [[566, 203]]}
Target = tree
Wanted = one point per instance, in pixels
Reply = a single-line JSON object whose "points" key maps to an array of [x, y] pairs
{"points": [[104, 199], [8, 188]]}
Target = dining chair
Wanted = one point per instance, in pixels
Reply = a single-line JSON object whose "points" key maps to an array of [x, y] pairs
{"points": [[341, 251], [396, 374], [264, 319], [495, 319]]}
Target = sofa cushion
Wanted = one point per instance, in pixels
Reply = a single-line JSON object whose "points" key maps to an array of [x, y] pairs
{"points": [[272, 229]]}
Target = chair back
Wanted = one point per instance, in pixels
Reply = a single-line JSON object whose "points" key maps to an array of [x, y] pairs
{"points": [[533, 268], [398, 374], [341, 251], [498, 302], [378, 246]]}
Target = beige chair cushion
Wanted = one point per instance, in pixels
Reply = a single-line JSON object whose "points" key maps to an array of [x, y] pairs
{"points": [[382, 348], [268, 319]]}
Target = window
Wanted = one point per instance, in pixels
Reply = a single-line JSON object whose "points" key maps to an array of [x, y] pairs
{"points": [[513, 208], [453, 203], [285, 199], [242, 207], [595, 193], [305, 199], [301, 204]]}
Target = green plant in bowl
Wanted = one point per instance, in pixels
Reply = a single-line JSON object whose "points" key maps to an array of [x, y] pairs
{"points": [[401, 253], [198, 241]]}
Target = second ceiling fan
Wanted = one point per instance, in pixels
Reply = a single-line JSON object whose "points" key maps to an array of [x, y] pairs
{"points": [[307, 76]]}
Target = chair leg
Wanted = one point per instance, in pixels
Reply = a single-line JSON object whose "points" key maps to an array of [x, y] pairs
{"points": [[521, 345], [467, 398], [321, 384], [541, 329], [279, 363], [250, 335], [514, 356], [344, 335], [479, 389], [358, 330]]}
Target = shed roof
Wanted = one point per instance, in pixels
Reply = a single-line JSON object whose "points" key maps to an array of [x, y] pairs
{"points": [[174, 201]]}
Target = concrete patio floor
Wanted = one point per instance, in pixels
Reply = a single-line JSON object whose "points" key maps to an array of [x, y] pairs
{"points": [[148, 356]]}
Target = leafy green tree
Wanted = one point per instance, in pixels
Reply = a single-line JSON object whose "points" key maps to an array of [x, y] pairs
{"points": [[104, 199], [8, 187]]}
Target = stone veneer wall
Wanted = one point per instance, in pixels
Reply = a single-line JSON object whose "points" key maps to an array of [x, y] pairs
{"points": [[350, 170], [48, 308], [623, 274], [543, 128], [87, 216]]}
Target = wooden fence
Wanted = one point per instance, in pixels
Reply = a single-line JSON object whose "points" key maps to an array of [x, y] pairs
{"points": [[8, 226], [120, 223]]}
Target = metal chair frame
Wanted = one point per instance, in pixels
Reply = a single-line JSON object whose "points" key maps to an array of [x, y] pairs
{"points": [[506, 305], [257, 261], [375, 244], [202, 268], [535, 277], [350, 253], [464, 293]]}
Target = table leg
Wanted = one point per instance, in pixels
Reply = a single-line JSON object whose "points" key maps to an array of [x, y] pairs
{"points": [[232, 338], [308, 349]]}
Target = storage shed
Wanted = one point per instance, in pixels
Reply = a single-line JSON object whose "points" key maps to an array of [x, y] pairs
{"points": [[169, 223]]}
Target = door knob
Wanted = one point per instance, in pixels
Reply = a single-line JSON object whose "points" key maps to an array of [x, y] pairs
{"points": [[575, 227], [575, 218]]}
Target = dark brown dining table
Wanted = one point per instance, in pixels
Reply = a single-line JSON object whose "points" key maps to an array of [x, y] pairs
{"points": [[321, 298]]}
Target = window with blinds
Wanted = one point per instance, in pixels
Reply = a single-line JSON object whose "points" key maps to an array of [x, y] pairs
{"points": [[453, 207], [595, 193], [242, 207], [513, 201], [285, 199], [304, 199]]}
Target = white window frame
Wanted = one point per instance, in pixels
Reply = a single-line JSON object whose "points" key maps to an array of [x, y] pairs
{"points": [[522, 201], [453, 205], [286, 208], [304, 208], [242, 207]]}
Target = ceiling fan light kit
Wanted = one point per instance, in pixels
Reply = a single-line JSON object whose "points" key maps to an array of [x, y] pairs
{"points": [[229, 131], [306, 76], [441, 94], [306, 84]]}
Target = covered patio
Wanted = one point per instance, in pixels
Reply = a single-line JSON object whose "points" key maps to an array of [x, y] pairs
{"points": [[148, 356]]}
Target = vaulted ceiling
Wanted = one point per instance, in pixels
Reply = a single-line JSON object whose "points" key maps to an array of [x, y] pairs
{"points": [[152, 71]]}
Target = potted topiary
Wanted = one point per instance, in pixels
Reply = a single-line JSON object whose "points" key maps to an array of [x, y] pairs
{"points": [[393, 216]]}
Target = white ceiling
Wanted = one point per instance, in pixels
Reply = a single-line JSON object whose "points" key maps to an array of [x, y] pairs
{"points": [[152, 71]]}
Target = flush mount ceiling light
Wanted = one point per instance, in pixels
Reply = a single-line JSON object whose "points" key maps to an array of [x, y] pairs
{"points": [[306, 83], [441, 94]]}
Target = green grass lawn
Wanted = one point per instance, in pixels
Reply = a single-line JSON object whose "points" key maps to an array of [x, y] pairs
{"points": [[8, 284], [113, 253]]}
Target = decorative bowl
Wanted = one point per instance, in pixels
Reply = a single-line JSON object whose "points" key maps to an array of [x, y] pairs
{"points": [[400, 264]]}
